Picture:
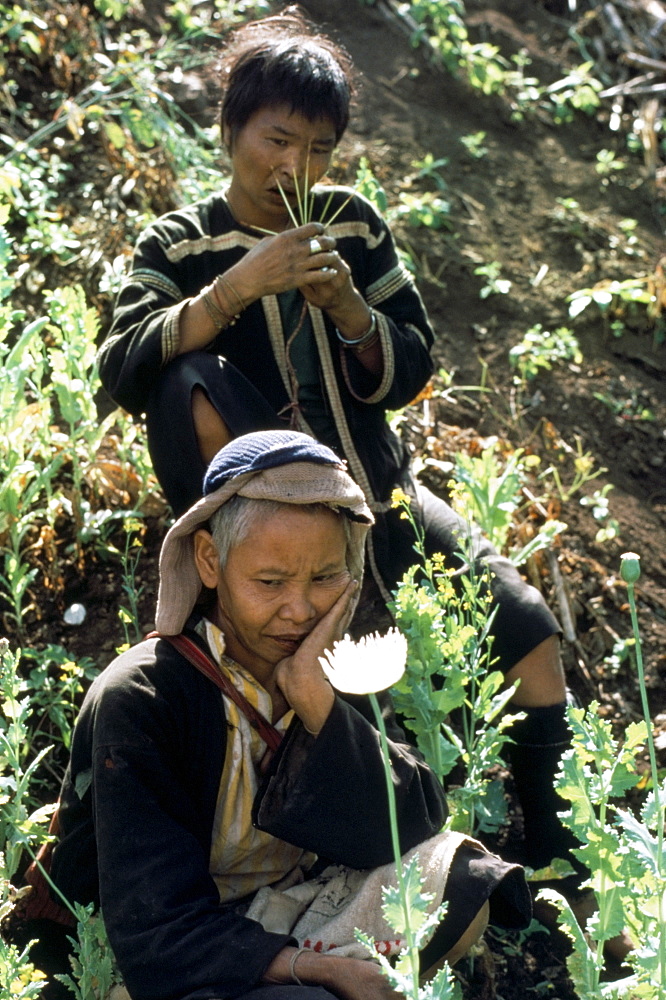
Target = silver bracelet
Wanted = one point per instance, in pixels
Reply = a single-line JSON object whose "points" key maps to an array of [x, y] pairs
{"points": [[364, 337], [292, 966]]}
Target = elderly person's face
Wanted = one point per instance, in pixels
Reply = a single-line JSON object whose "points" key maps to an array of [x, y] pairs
{"points": [[276, 145], [278, 583]]}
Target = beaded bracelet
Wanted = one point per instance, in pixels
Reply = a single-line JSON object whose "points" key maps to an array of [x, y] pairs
{"points": [[364, 338]]}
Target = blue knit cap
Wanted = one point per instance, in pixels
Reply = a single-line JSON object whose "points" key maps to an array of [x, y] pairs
{"points": [[264, 450]]}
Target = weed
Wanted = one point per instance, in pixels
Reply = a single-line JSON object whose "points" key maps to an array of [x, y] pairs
{"points": [[55, 683], [635, 301], [449, 669], [600, 505], [607, 163], [631, 407], [18, 977], [129, 616], [374, 664], [539, 350], [583, 471], [20, 825], [494, 284], [94, 969], [621, 653], [426, 208], [430, 168], [368, 185], [488, 493], [578, 91], [473, 143], [623, 851]]}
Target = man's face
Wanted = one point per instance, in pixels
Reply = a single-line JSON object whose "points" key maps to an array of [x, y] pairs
{"points": [[276, 145], [278, 584]]}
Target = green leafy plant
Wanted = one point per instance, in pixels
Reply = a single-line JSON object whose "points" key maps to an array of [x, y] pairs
{"points": [[94, 969], [578, 91], [18, 977], [129, 615], [50, 439], [21, 825], [540, 349], [623, 850], [637, 302], [583, 471], [22, 828], [430, 168], [473, 143], [424, 208], [607, 163], [449, 670], [488, 492], [629, 406], [55, 683], [374, 664], [600, 505], [494, 284]]}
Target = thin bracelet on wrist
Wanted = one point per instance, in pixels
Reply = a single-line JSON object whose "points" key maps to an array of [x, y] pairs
{"points": [[364, 338], [227, 284], [228, 287], [219, 317], [362, 348], [292, 966]]}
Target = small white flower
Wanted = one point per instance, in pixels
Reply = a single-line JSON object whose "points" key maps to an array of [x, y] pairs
{"points": [[373, 663]]}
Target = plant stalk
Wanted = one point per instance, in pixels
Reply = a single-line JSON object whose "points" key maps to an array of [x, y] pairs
{"points": [[631, 595], [409, 934]]}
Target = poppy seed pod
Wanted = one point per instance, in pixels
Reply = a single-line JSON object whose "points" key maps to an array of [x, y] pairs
{"points": [[630, 567]]}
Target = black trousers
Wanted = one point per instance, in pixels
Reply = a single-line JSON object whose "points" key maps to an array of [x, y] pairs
{"points": [[522, 619]]}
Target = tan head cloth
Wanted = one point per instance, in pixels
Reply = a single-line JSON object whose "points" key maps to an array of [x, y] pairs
{"points": [[293, 483]]}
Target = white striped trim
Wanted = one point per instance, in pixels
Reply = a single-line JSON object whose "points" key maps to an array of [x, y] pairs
{"points": [[170, 340], [214, 244], [357, 229]]}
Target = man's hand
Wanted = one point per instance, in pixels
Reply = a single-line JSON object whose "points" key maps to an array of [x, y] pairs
{"points": [[285, 261]]}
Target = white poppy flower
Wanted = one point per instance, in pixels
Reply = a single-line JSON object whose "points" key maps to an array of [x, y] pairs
{"points": [[373, 663]]}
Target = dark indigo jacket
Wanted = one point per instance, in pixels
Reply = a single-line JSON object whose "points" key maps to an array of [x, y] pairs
{"points": [[137, 811]]}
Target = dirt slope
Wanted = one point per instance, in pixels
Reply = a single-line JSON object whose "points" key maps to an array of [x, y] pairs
{"points": [[504, 208]]}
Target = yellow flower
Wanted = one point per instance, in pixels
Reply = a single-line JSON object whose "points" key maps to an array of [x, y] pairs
{"points": [[374, 663], [398, 497]]}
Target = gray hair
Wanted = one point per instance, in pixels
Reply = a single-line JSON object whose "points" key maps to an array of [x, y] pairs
{"points": [[234, 520]]}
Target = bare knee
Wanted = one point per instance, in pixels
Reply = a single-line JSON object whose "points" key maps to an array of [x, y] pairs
{"points": [[211, 431], [541, 676]]}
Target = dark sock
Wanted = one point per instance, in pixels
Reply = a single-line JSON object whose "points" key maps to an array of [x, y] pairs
{"points": [[540, 740]]}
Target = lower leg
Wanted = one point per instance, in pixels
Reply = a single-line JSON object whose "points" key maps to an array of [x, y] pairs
{"points": [[539, 742], [463, 945], [540, 676], [211, 431]]}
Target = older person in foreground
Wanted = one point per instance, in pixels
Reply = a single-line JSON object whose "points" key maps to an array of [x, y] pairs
{"points": [[223, 804]]}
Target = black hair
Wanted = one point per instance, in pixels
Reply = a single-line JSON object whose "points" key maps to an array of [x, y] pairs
{"points": [[284, 60]]}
